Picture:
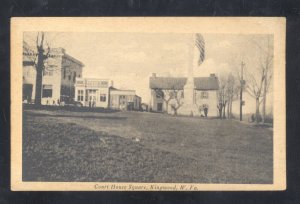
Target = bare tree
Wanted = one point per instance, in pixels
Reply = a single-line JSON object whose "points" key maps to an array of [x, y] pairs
{"points": [[266, 66], [41, 57], [38, 59], [178, 100], [231, 92], [259, 80], [222, 96]]}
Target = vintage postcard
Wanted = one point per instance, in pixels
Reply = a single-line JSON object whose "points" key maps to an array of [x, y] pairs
{"points": [[148, 104]]}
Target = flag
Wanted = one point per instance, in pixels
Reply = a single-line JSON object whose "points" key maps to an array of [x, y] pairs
{"points": [[201, 46]]}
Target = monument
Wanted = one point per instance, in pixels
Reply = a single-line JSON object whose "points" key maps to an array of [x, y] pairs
{"points": [[196, 49]]}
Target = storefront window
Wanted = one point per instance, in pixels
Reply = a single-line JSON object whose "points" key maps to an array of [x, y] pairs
{"points": [[80, 95], [47, 91], [102, 97]]}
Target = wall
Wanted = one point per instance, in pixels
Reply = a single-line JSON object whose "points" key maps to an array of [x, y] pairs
{"points": [[211, 101], [129, 96], [70, 70], [92, 84], [29, 77], [155, 100], [53, 64]]}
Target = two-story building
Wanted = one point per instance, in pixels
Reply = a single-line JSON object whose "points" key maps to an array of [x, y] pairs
{"points": [[168, 92], [59, 74]]}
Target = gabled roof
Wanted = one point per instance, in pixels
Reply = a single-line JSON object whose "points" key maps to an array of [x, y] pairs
{"points": [[201, 83]]}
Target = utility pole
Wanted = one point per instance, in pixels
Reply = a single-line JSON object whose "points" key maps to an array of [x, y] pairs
{"points": [[241, 90]]}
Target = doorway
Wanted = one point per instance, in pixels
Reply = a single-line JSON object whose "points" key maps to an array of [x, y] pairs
{"points": [[159, 107], [27, 92]]}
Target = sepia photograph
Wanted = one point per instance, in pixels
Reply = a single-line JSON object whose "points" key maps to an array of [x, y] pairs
{"points": [[150, 106]]}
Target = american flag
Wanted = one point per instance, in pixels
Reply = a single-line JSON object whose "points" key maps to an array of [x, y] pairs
{"points": [[201, 46]]}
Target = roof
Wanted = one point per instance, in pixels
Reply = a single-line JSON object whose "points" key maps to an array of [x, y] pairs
{"points": [[114, 90], [201, 83], [32, 50]]}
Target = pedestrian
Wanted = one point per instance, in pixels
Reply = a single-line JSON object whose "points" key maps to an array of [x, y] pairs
{"points": [[205, 111]]}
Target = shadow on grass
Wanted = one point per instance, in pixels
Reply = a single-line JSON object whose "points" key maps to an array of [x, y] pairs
{"points": [[77, 116], [69, 108]]}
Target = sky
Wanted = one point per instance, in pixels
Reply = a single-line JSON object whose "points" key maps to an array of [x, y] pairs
{"points": [[129, 59]]}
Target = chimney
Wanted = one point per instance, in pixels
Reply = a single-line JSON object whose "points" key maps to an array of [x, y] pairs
{"points": [[111, 83], [154, 75], [213, 75]]}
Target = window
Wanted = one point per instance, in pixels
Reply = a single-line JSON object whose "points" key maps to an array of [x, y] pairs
{"points": [[159, 93], [80, 95], [47, 91], [102, 97], [64, 73], [70, 77], [204, 94], [122, 100], [48, 73], [74, 77]]}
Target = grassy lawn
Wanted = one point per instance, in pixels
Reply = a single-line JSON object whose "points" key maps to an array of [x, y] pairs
{"points": [[61, 145]]}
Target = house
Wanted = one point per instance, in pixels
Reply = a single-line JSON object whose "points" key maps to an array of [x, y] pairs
{"points": [[124, 99], [167, 94], [59, 75]]}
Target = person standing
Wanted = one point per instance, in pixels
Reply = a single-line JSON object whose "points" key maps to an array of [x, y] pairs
{"points": [[205, 111]]}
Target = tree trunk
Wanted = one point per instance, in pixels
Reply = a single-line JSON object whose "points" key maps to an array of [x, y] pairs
{"points": [[167, 106], [257, 110], [175, 111], [230, 109], [39, 78], [224, 109], [264, 101], [220, 112]]}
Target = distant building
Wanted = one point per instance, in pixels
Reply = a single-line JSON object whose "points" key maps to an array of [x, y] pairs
{"points": [[163, 90], [92, 92], [124, 99], [144, 107], [59, 75]]}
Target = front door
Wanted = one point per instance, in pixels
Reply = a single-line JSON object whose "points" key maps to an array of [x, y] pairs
{"points": [[92, 98], [159, 107]]}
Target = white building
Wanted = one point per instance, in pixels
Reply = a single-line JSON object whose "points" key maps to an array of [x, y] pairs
{"points": [[124, 99], [59, 74], [163, 91], [93, 92]]}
